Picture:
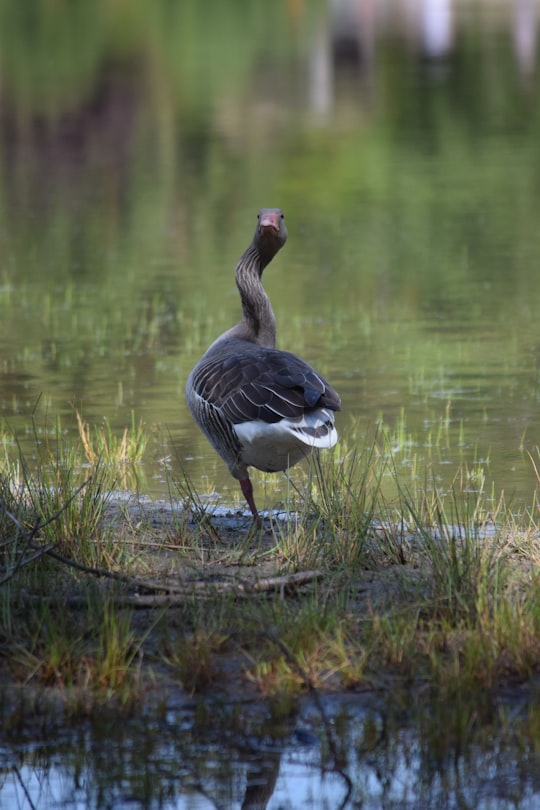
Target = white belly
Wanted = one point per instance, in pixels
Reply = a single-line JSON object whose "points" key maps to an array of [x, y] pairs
{"points": [[278, 446], [271, 455]]}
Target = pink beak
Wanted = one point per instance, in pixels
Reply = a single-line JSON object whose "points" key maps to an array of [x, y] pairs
{"points": [[269, 220]]}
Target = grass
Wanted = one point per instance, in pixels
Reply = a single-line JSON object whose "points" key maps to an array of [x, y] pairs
{"points": [[103, 447], [100, 443], [97, 651], [68, 499], [433, 590]]}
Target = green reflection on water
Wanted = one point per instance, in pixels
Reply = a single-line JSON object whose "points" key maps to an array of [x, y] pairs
{"points": [[137, 142]]}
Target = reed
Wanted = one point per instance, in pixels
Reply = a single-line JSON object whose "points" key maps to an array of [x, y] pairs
{"points": [[101, 443], [68, 500]]}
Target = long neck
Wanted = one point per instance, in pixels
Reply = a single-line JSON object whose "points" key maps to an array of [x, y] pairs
{"points": [[258, 322]]}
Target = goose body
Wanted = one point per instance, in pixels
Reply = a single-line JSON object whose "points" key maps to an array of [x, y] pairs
{"points": [[257, 405]]}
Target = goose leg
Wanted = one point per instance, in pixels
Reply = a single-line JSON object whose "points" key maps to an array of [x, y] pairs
{"points": [[247, 490]]}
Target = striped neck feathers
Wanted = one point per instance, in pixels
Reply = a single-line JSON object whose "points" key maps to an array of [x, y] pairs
{"points": [[258, 322]]}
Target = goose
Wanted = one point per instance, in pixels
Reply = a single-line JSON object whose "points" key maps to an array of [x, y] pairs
{"points": [[259, 406]]}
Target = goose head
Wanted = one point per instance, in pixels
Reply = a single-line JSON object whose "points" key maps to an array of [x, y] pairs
{"points": [[271, 231]]}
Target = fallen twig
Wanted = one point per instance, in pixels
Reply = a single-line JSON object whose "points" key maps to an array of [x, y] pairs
{"points": [[163, 595]]}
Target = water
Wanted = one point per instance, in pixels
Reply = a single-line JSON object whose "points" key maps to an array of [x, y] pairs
{"points": [[401, 143], [235, 757], [137, 143]]}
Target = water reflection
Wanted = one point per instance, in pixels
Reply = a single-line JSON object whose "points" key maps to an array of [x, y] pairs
{"points": [[235, 757], [401, 140], [525, 25], [345, 45]]}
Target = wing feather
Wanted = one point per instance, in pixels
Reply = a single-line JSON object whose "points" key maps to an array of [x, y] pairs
{"points": [[252, 382]]}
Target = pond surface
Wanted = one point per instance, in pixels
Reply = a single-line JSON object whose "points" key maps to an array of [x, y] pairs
{"points": [[401, 140], [232, 756]]}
